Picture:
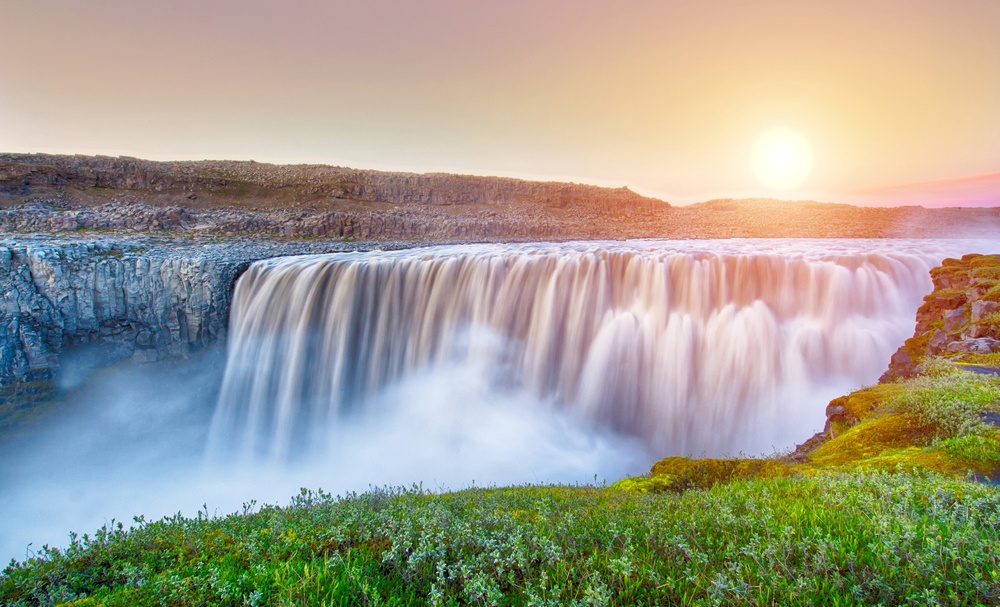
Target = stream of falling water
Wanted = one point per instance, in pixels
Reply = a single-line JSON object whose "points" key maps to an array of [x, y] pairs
{"points": [[710, 347]]}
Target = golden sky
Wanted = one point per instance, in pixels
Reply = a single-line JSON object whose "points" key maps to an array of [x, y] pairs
{"points": [[668, 98]]}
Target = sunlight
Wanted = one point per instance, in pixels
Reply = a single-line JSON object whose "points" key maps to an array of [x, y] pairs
{"points": [[782, 159]]}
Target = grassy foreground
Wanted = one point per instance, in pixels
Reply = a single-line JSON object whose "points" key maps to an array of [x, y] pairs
{"points": [[831, 539]]}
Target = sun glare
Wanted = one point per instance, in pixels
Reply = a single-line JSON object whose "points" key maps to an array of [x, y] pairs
{"points": [[782, 159]]}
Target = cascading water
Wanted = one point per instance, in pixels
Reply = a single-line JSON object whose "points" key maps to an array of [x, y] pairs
{"points": [[451, 366], [714, 347]]}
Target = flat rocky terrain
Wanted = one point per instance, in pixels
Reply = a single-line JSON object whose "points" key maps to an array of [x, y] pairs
{"points": [[126, 259], [44, 193]]}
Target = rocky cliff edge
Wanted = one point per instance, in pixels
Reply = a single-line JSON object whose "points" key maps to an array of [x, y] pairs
{"points": [[144, 299]]}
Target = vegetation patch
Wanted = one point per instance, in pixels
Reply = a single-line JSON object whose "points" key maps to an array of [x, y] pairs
{"points": [[831, 539], [683, 473]]}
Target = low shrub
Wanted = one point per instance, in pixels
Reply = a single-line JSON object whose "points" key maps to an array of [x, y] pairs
{"points": [[830, 539]]}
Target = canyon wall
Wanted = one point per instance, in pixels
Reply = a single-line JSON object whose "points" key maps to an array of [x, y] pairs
{"points": [[115, 299]]}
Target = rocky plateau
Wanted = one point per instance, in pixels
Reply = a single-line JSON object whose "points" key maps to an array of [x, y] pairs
{"points": [[43, 193]]}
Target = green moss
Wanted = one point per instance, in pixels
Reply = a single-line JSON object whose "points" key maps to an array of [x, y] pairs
{"points": [[987, 360], [682, 473], [949, 399], [957, 456], [950, 264], [654, 483], [916, 346], [870, 439], [989, 274], [949, 292], [861, 403], [927, 423]]}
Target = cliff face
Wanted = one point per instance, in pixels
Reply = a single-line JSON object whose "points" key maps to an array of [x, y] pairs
{"points": [[126, 298], [150, 306]]}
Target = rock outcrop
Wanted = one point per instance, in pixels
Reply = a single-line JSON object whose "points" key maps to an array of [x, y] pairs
{"points": [[960, 317], [133, 298]]}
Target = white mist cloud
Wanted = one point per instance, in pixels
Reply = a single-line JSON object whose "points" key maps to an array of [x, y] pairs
{"points": [[133, 442]]}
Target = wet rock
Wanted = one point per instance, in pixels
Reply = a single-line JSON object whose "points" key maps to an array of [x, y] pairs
{"points": [[145, 339]]}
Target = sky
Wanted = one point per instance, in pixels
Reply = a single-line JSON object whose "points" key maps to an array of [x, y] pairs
{"points": [[899, 100]]}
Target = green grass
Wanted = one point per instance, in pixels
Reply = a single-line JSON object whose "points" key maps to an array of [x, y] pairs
{"points": [[830, 539], [949, 399]]}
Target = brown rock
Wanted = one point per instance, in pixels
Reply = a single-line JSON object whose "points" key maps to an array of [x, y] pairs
{"points": [[978, 288], [983, 345], [900, 366], [836, 412], [937, 342], [976, 331], [983, 309], [949, 302], [956, 320]]}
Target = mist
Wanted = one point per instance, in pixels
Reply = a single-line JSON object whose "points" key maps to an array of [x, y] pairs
{"points": [[131, 440]]}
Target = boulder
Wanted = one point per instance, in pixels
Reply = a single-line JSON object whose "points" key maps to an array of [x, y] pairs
{"points": [[900, 365], [976, 331], [982, 345], [948, 302], [938, 341], [956, 320], [983, 309]]}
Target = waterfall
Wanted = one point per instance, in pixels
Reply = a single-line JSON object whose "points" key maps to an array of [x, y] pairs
{"points": [[714, 347]]}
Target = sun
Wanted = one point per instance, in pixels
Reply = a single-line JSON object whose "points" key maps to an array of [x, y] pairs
{"points": [[782, 159]]}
